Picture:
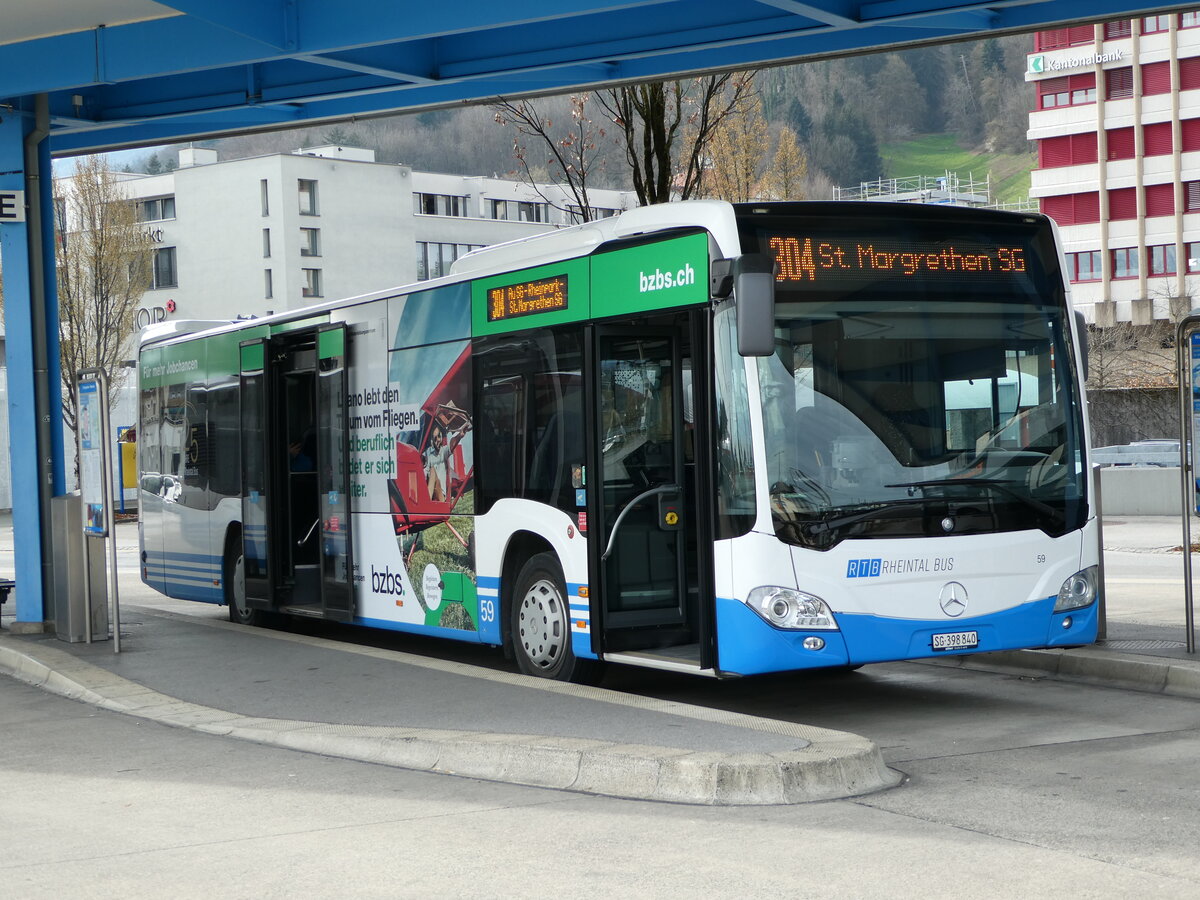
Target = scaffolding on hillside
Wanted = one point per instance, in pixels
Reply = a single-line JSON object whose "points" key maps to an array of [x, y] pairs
{"points": [[948, 189]]}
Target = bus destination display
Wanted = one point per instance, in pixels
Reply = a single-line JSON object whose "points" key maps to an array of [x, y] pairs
{"points": [[527, 298], [803, 258]]}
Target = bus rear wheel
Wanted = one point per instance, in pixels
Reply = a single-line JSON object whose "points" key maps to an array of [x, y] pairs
{"points": [[540, 624]]}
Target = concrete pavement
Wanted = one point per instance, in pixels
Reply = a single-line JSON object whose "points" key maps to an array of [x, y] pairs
{"points": [[384, 706]]}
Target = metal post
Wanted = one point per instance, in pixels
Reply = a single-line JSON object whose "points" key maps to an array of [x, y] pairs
{"points": [[1183, 360], [1102, 609]]}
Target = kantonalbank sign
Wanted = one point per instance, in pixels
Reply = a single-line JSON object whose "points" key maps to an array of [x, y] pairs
{"points": [[1040, 63]]}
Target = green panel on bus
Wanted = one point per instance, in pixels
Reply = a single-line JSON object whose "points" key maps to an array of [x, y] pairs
{"points": [[331, 344], [531, 298], [296, 324], [253, 357], [224, 359], [657, 275]]}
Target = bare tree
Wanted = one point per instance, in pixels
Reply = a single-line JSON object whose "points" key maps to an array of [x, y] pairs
{"points": [[666, 127], [573, 149], [104, 263]]}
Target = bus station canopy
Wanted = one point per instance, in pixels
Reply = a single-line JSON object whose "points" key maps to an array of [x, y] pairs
{"points": [[138, 72]]}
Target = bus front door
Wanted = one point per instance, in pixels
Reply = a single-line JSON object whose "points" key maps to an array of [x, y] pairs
{"points": [[643, 497], [295, 474]]}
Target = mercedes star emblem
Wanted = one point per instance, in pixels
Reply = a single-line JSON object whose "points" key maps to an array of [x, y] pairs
{"points": [[953, 599]]}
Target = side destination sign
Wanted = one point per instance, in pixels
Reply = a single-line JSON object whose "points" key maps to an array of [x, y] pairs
{"points": [[537, 297], [527, 298]]}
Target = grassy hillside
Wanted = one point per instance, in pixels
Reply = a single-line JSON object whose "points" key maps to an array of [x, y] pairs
{"points": [[934, 154]]}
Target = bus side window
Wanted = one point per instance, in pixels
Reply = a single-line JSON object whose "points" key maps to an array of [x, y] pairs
{"points": [[500, 439]]}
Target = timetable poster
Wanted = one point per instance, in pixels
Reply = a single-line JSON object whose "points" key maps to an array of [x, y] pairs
{"points": [[91, 459]]}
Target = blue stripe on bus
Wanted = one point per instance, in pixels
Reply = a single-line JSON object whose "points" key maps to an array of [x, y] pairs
{"points": [[186, 557], [747, 645]]}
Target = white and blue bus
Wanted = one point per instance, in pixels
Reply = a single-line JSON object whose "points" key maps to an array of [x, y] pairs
{"points": [[699, 437]]}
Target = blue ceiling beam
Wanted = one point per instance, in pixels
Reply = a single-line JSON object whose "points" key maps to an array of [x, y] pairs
{"points": [[271, 22], [216, 69], [838, 14]]}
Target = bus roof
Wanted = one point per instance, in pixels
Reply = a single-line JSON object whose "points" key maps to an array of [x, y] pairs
{"points": [[715, 216]]}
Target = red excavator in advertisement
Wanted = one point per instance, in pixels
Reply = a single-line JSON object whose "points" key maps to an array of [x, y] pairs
{"points": [[432, 475]]}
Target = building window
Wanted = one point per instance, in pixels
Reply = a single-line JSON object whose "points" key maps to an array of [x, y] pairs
{"points": [[266, 206], [310, 241], [1116, 30], [1125, 262], [1067, 150], [1118, 84], [434, 259], [312, 283], [1193, 256], [1064, 37], [1189, 19], [268, 287], [163, 274], [266, 243], [1161, 259], [308, 197], [1156, 78], [596, 212], [1073, 209], [1122, 204], [1084, 266], [155, 210], [1156, 138], [1191, 192], [1120, 143], [439, 205], [519, 211], [1073, 90], [1153, 24], [1160, 199]]}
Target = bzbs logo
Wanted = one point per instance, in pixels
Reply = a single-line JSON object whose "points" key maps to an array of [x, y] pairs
{"points": [[864, 568]]}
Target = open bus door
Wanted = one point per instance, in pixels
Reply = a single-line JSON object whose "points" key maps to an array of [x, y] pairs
{"points": [[295, 474], [649, 521]]}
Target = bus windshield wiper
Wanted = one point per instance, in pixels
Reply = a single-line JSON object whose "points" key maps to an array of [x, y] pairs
{"points": [[1004, 486], [889, 507]]}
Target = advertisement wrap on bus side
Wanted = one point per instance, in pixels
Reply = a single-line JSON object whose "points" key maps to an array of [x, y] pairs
{"points": [[411, 459]]}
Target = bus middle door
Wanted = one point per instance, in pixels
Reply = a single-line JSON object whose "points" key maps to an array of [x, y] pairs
{"points": [[296, 475]]}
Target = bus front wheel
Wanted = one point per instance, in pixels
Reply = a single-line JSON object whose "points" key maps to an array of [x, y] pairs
{"points": [[540, 624]]}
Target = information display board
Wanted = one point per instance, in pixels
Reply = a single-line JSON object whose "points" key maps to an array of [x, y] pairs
{"points": [[91, 455]]}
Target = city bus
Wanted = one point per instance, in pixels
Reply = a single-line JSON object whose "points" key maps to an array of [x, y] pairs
{"points": [[701, 437]]}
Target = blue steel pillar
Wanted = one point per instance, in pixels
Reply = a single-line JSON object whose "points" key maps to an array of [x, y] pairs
{"points": [[31, 334]]}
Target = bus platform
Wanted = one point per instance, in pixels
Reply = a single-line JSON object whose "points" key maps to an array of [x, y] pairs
{"points": [[291, 689]]}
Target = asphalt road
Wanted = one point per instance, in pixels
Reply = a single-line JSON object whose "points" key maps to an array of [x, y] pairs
{"points": [[1016, 785], [96, 804]]}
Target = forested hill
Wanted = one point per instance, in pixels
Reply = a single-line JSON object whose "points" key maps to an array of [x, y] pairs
{"points": [[851, 117]]}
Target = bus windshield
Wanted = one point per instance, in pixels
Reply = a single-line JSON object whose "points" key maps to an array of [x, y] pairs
{"points": [[900, 406]]}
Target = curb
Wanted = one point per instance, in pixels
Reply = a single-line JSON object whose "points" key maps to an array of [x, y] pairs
{"points": [[831, 765], [1159, 675]]}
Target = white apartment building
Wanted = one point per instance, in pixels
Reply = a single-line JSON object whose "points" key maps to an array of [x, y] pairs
{"points": [[1117, 128], [265, 234]]}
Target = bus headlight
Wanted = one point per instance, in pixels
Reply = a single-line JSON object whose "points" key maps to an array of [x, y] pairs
{"points": [[789, 608], [1078, 590]]}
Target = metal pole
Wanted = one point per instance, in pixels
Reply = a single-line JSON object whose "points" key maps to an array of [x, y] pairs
{"points": [[1183, 362], [109, 509], [1102, 609]]}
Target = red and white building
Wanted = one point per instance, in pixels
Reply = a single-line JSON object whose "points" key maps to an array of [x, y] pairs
{"points": [[1117, 129]]}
